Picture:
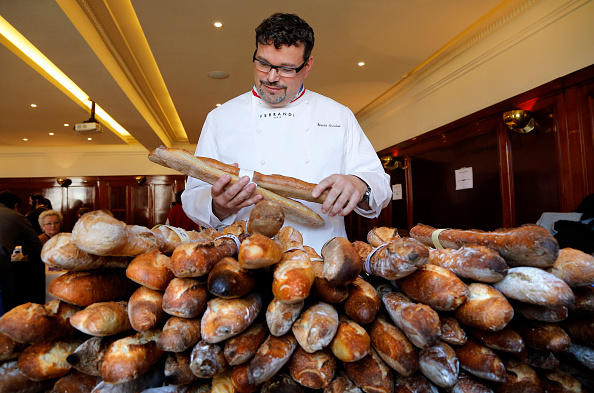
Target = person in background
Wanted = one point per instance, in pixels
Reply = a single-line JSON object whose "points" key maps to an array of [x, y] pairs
{"points": [[81, 211], [38, 204], [15, 230], [50, 222], [178, 218], [281, 127]]}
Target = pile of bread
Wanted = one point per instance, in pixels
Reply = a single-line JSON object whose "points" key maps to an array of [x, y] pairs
{"points": [[252, 308]]}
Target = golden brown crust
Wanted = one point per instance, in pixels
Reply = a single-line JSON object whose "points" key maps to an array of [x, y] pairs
{"points": [[316, 326], [259, 251], [312, 370], [151, 269], [520, 378], [9, 348], [12, 380], [179, 334], [241, 379], [527, 245], [342, 263], [560, 382], [481, 361], [382, 235], [47, 360], [29, 323], [88, 287], [322, 289], [398, 259], [272, 355], [280, 316], [544, 336], [225, 318], [293, 277], [102, 319], [575, 267], [451, 331], [436, 286], [363, 301], [74, 382], [486, 308], [477, 263], [241, 348], [185, 297], [183, 161], [196, 260], [371, 374], [207, 360], [351, 342], [392, 345], [266, 218], [506, 340], [145, 309], [439, 364]]}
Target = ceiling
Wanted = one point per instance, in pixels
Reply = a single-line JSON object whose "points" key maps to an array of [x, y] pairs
{"points": [[146, 62]]}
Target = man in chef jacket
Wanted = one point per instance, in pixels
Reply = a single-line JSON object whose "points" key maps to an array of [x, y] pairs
{"points": [[280, 127]]}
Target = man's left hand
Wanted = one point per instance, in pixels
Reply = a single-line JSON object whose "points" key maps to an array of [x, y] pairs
{"points": [[345, 193]]}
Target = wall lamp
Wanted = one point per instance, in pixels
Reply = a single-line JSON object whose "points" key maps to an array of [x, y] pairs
{"points": [[140, 180], [390, 162], [64, 182], [519, 120]]}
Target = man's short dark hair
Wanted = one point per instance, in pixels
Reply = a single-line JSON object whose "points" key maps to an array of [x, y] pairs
{"points": [[9, 199], [286, 29], [37, 199]]}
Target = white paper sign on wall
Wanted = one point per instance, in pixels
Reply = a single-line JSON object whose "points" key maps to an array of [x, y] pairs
{"points": [[463, 178], [396, 191]]}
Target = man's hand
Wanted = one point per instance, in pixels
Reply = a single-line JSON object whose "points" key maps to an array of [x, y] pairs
{"points": [[346, 191], [229, 199]]}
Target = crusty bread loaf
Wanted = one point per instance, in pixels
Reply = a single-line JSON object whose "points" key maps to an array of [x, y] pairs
{"points": [[169, 237], [392, 345], [419, 322], [543, 360], [477, 263], [584, 301], [575, 267], [185, 297], [520, 378], [535, 286], [99, 233], [149, 379], [312, 370], [481, 361], [342, 263], [505, 340], [75, 382], [225, 318], [241, 348], [207, 360], [414, 383], [129, 357], [259, 251], [527, 245], [282, 382], [322, 289], [102, 319], [342, 384], [229, 279], [242, 381], [316, 326], [560, 382], [540, 313], [293, 277], [289, 238], [580, 329], [179, 334], [351, 342], [177, 369], [47, 360], [266, 218], [9, 348], [382, 235], [88, 356], [467, 383], [543, 336], [60, 252], [183, 161], [145, 309], [439, 364], [13, 381], [88, 287], [371, 374], [397, 259], [272, 355], [29, 323], [486, 308], [151, 269], [436, 286], [451, 331], [363, 302], [280, 316]]}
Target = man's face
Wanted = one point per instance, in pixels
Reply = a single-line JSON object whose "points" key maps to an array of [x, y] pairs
{"points": [[273, 88]]}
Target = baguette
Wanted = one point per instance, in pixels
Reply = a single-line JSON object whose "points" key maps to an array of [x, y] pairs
{"points": [[575, 267], [505, 340], [225, 318], [584, 301], [177, 369], [316, 326], [322, 289], [259, 251], [184, 162], [439, 364], [32, 323], [543, 360], [371, 374], [280, 316], [242, 380], [541, 313], [312, 370], [477, 263], [9, 348], [451, 331], [481, 361], [417, 383], [151, 269], [75, 382], [397, 259], [466, 383], [520, 378], [207, 360], [266, 218], [88, 356], [241, 348], [185, 297], [282, 382], [145, 309], [60, 252], [179, 334], [351, 342], [47, 360], [363, 302], [229, 279], [544, 336], [102, 319], [272, 355], [293, 277], [99, 233], [392, 345], [13, 381], [382, 235], [342, 384], [169, 237], [88, 287], [527, 245], [486, 308], [560, 382], [342, 263], [580, 329]]}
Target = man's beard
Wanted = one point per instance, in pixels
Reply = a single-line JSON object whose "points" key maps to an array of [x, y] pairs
{"points": [[271, 99]]}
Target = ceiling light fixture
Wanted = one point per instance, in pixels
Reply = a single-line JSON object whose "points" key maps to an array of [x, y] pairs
{"points": [[17, 43], [361, 63], [218, 24], [51, 133], [25, 139], [34, 105]]}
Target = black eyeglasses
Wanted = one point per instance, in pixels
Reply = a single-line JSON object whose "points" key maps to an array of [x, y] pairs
{"points": [[287, 72]]}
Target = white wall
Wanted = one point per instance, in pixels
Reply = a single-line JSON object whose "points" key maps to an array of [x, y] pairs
{"points": [[528, 44]]}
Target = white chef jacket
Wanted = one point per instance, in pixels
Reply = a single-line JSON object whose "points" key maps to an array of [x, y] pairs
{"points": [[309, 139]]}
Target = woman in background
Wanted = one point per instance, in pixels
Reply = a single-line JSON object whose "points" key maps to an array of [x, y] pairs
{"points": [[50, 222]]}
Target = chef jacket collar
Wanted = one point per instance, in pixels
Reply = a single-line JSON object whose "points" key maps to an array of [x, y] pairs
{"points": [[299, 94]]}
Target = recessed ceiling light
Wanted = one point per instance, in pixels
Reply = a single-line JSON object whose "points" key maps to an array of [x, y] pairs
{"points": [[34, 105], [25, 139], [218, 105], [361, 63], [66, 124], [51, 133], [218, 75], [218, 24], [89, 139]]}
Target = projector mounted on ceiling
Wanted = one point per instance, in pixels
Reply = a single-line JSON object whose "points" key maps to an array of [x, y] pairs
{"points": [[90, 126]]}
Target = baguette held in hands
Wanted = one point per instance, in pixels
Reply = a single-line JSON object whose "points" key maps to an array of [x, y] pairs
{"points": [[185, 162]]}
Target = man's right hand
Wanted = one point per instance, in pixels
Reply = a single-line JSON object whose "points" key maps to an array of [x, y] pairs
{"points": [[228, 199]]}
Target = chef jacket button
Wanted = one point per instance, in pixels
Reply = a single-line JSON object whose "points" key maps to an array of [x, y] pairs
{"points": [[307, 160], [306, 129], [262, 162], [258, 130]]}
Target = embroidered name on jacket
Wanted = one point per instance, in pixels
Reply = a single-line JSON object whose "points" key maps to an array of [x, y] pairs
{"points": [[328, 125], [277, 115]]}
